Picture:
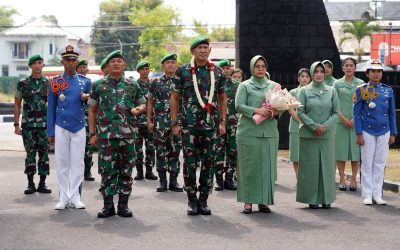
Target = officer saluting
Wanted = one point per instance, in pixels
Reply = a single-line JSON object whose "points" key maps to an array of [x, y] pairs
{"points": [[66, 125], [375, 126]]}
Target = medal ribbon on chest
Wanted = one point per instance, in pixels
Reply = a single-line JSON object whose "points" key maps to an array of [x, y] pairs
{"points": [[366, 95], [60, 84]]}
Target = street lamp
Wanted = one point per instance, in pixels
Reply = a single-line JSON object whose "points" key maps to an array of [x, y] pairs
{"points": [[390, 43]]}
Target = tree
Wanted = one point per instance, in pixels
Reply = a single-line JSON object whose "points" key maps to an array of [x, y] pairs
{"points": [[199, 28], [51, 19], [358, 30], [159, 26], [6, 14], [54, 61], [222, 34]]}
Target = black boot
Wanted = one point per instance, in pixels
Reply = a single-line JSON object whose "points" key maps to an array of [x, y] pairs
{"points": [[88, 176], [229, 183], [149, 174], [219, 183], [203, 207], [108, 209], [193, 207], [163, 181], [139, 172], [42, 188], [31, 189], [173, 183], [123, 209]]}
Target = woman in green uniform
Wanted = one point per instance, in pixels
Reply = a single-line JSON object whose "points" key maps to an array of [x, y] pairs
{"points": [[329, 79], [257, 144], [346, 147], [319, 115], [303, 77]]}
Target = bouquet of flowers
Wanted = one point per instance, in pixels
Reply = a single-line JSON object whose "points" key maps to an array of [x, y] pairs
{"points": [[276, 99]]}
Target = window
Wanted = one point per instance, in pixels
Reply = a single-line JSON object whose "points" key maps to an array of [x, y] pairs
{"points": [[4, 70], [22, 68], [20, 51], [51, 49]]}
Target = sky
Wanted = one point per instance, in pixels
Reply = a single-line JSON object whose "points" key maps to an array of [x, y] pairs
{"points": [[84, 12]]}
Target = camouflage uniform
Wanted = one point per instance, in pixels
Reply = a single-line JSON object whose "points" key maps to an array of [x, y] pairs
{"points": [[115, 99], [199, 138], [168, 146], [228, 146], [88, 158], [33, 92], [143, 135]]}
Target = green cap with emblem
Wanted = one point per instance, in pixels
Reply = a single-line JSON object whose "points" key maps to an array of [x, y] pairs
{"points": [[224, 62], [172, 57], [142, 64], [103, 63], [114, 54], [34, 58], [199, 40], [82, 62]]}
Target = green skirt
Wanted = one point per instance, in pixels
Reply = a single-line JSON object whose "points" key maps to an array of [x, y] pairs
{"points": [[257, 158], [346, 147], [294, 147], [317, 168]]}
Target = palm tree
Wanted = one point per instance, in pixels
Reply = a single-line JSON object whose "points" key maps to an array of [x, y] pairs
{"points": [[358, 30]]}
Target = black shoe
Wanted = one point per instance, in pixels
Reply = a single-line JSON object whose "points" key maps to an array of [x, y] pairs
{"points": [[108, 209], [312, 206], [229, 183], [31, 189], [173, 183], [88, 177], [326, 206], [42, 188], [247, 210], [353, 189], [139, 173], [219, 183], [264, 209], [203, 207], [193, 207], [149, 174], [123, 209], [163, 182]]}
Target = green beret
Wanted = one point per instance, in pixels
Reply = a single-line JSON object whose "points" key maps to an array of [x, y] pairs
{"points": [[34, 58], [114, 54], [142, 64], [103, 63], [224, 62], [172, 57], [82, 62], [199, 40]]}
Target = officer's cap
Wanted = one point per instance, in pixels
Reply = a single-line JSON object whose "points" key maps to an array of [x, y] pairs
{"points": [[34, 58], [70, 52], [374, 64], [199, 40], [172, 57], [142, 64], [224, 62]]}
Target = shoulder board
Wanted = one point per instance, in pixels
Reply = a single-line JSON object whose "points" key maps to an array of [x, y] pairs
{"points": [[84, 76], [362, 85], [386, 86]]}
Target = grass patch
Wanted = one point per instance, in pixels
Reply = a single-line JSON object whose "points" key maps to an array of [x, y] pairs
{"points": [[6, 97]]}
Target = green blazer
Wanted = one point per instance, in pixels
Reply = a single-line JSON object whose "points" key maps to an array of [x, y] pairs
{"points": [[320, 107]]}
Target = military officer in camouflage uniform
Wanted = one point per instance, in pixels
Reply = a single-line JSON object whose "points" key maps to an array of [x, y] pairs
{"points": [[33, 91], [113, 102], [168, 146], [82, 69], [201, 86], [227, 150], [143, 135]]}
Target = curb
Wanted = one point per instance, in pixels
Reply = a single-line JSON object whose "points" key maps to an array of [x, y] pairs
{"points": [[6, 118]]}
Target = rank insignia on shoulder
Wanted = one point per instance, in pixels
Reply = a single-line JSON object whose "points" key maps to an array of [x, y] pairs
{"points": [[355, 97]]}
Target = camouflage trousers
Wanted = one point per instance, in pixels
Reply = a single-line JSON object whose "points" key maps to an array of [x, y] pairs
{"points": [[227, 153], [35, 140], [144, 136], [88, 159], [116, 158], [168, 149], [199, 145]]}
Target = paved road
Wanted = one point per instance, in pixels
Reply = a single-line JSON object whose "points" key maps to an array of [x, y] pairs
{"points": [[160, 220]]}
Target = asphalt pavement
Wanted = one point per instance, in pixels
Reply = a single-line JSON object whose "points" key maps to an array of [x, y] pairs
{"points": [[160, 220]]}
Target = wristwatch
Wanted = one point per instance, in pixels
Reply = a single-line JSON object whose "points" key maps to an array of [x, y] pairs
{"points": [[16, 124], [173, 123], [92, 134]]}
